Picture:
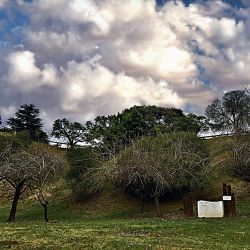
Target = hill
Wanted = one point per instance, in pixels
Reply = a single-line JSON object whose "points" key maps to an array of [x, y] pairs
{"points": [[112, 220]]}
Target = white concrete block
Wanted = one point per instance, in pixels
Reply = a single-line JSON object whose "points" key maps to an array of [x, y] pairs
{"points": [[209, 209]]}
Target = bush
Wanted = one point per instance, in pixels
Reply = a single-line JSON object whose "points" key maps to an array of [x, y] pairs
{"points": [[158, 166], [81, 160], [238, 160], [18, 140]]}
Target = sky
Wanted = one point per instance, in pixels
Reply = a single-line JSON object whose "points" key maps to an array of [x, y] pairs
{"points": [[82, 58]]}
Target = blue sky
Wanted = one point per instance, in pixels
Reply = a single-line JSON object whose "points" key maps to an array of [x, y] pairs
{"points": [[82, 58], [12, 21]]}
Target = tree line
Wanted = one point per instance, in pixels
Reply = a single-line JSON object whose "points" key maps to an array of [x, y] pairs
{"points": [[228, 114], [149, 152]]}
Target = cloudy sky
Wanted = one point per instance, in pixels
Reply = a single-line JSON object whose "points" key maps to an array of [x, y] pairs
{"points": [[82, 58]]}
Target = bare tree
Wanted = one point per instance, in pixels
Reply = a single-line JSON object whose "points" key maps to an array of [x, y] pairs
{"points": [[31, 168], [153, 166], [237, 159], [48, 163], [16, 170], [246, 88]]}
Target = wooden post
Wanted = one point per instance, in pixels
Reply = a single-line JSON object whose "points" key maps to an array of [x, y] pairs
{"points": [[188, 206], [225, 203], [233, 205], [229, 190], [224, 189], [229, 193], [229, 205]]}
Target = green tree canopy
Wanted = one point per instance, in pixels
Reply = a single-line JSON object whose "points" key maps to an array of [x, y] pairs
{"points": [[27, 118], [231, 113], [138, 121], [72, 132]]}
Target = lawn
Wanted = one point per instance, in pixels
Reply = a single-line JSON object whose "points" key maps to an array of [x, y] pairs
{"points": [[121, 230], [112, 221]]}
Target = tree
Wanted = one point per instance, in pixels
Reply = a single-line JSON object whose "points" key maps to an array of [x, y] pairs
{"points": [[16, 169], [30, 167], [237, 159], [139, 121], [246, 88], [81, 160], [192, 123], [231, 113], [27, 118], [48, 163], [157, 166], [72, 132]]}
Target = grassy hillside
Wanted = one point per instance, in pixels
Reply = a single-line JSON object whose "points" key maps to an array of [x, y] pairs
{"points": [[112, 220]]}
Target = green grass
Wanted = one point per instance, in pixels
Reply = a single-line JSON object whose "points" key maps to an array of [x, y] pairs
{"points": [[75, 228], [111, 220], [128, 234]]}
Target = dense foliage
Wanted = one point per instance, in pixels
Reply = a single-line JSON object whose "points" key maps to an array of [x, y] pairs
{"points": [[81, 160], [27, 119], [231, 113], [122, 129]]}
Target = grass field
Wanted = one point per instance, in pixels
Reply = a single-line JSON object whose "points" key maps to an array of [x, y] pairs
{"points": [[112, 221], [80, 229]]}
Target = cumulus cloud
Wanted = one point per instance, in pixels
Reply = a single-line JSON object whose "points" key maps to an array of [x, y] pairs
{"points": [[25, 75], [82, 87], [87, 57], [97, 86], [2, 3]]}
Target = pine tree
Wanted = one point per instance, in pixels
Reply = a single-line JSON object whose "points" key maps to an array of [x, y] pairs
{"points": [[27, 119]]}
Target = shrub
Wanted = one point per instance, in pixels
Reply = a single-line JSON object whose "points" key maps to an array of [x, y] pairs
{"points": [[80, 160], [238, 158], [156, 166]]}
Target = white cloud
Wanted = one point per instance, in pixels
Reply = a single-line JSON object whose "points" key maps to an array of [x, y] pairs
{"points": [[86, 88], [25, 75], [2, 3], [98, 57]]}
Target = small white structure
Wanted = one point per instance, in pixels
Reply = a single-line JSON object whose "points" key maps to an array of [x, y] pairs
{"points": [[209, 209], [227, 198]]}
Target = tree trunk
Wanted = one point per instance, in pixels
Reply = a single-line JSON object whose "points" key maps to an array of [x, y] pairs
{"points": [[142, 205], [157, 205], [45, 211], [16, 197]]}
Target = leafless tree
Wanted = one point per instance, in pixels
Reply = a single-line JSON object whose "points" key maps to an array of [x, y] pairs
{"points": [[30, 168], [15, 169], [48, 163], [238, 156], [154, 165], [246, 87]]}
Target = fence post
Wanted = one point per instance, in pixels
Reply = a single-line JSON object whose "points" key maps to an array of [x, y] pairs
{"points": [[229, 205], [233, 205], [188, 206], [225, 203]]}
